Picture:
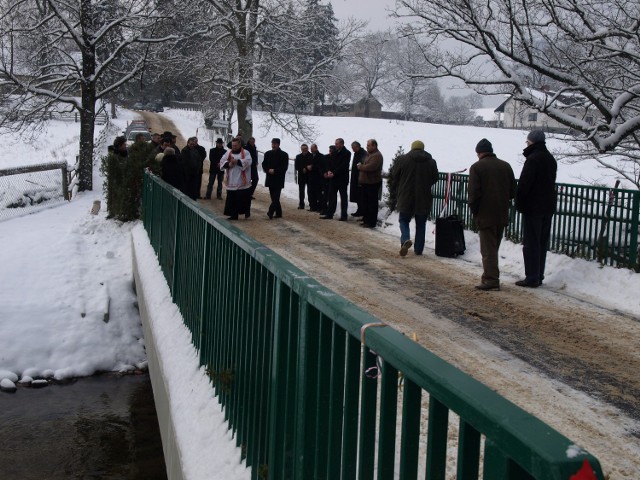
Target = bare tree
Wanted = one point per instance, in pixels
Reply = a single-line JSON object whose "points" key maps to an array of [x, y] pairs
{"points": [[371, 66], [269, 57], [590, 50], [71, 53], [419, 96]]}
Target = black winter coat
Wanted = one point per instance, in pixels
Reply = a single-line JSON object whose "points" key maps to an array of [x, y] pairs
{"points": [[277, 160], [536, 193], [358, 157], [339, 165], [301, 163], [215, 154], [172, 171]]}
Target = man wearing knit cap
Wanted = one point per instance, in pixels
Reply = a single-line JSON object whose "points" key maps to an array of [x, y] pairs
{"points": [[492, 185], [536, 200], [415, 173]]}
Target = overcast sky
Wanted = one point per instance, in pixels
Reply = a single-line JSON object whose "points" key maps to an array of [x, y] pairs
{"points": [[372, 11], [377, 13]]}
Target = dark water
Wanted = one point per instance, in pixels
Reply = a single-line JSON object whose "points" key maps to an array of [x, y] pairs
{"points": [[102, 427]]}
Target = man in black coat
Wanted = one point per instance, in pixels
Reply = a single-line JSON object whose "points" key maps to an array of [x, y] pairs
{"points": [[315, 170], [301, 164], [192, 163], [355, 193], [172, 171], [275, 165], [536, 200], [338, 175], [215, 154], [253, 150]]}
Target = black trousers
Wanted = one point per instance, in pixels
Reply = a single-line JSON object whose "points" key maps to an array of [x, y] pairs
{"points": [[254, 178], [212, 178], [275, 208], [536, 232], [334, 189], [302, 185], [368, 204], [314, 190]]}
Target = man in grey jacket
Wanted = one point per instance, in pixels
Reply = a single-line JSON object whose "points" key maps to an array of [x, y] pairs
{"points": [[492, 186]]}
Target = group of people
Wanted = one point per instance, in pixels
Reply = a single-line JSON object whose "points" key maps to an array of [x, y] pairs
{"points": [[324, 177], [492, 187], [356, 175], [321, 178]]}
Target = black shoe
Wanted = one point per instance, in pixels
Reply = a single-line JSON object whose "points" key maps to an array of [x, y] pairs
{"points": [[524, 283], [487, 287], [247, 215], [219, 197], [278, 215], [405, 248], [366, 225], [326, 217], [234, 217], [207, 198], [357, 214], [270, 215], [300, 207], [253, 198], [343, 219]]}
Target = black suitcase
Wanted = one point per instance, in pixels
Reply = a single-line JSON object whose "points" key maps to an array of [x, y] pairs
{"points": [[449, 236]]}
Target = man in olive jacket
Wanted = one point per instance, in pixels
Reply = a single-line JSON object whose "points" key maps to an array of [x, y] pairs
{"points": [[370, 181], [536, 199], [492, 186], [416, 172]]}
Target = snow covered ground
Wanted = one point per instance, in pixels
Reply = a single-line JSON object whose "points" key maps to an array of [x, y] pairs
{"points": [[60, 266]]}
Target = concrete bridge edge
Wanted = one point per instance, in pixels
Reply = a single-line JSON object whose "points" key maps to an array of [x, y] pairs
{"points": [[172, 457]]}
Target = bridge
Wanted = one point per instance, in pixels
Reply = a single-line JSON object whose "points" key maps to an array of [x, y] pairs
{"points": [[315, 387]]}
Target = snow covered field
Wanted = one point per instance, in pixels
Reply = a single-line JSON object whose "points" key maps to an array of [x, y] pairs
{"points": [[60, 266]]}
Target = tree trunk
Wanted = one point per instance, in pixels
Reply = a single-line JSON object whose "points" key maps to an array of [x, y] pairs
{"points": [[88, 99], [87, 129]]}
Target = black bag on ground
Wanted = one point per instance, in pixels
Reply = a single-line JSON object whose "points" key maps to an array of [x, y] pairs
{"points": [[449, 236]]}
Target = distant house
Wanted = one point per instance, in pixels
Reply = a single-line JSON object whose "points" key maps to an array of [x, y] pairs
{"points": [[367, 107], [349, 108], [516, 114], [486, 117]]}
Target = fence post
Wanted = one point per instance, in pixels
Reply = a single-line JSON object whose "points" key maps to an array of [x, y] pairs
{"points": [[65, 182], [633, 244]]}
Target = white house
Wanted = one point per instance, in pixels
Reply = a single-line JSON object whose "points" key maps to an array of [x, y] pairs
{"points": [[516, 114]]}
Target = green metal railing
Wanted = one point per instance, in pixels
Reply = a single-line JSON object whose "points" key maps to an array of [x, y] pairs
{"points": [[595, 223], [311, 384]]}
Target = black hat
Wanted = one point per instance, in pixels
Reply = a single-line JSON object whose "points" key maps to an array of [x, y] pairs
{"points": [[536, 136], [275, 140], [167, 134], [219, 140], [484, 146]]}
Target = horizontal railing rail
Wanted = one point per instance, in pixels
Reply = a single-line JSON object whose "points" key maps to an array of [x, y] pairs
{"points": [[594, 223], [314, 387]]}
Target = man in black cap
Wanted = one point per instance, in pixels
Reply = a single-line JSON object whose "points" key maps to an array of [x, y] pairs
{"points": [[215, 155], [275, 165], [536, 200], [492, 186]]}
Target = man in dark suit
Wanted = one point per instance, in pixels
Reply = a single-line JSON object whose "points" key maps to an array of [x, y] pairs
{"points": [[338, 176], [215, 155], [536, 199], [275, 165]]}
